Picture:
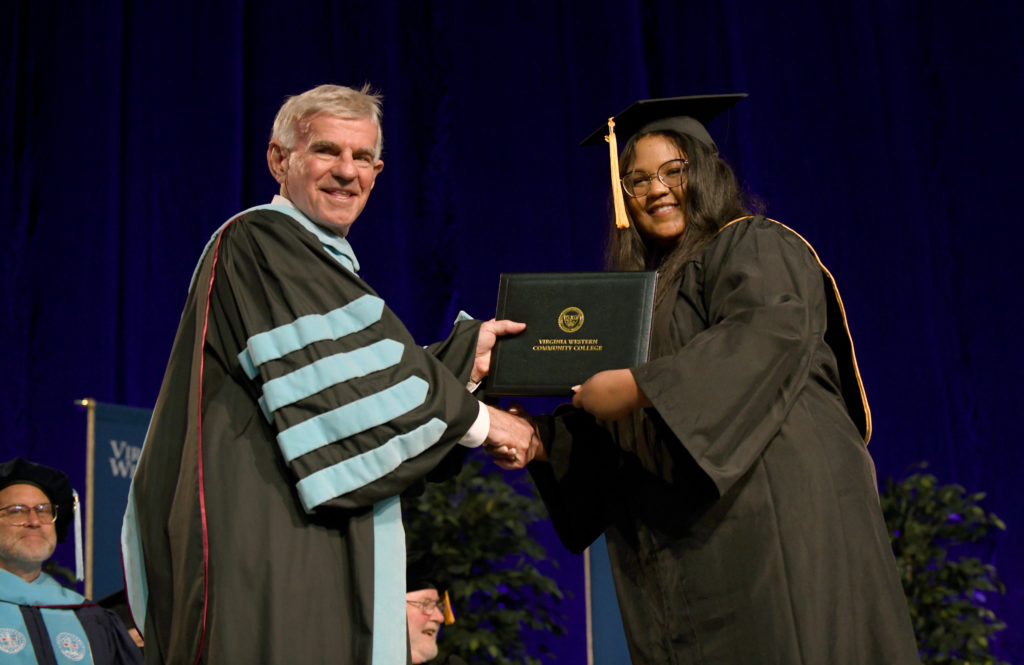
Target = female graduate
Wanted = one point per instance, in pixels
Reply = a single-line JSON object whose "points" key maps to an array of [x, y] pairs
{"points": [[730, 472]]}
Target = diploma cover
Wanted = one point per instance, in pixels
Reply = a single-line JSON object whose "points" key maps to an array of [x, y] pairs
{"points": [[577, 324]]}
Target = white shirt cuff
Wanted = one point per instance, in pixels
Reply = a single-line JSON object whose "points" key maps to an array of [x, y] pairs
{"points": [[477, 432]]}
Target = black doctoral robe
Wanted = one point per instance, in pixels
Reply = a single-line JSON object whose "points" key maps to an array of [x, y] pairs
{"points": [[264, 519], [741, 512]]}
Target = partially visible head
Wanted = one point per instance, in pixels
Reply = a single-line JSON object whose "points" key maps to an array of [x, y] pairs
{"points": [[325, 152], [30, 494], [424, 615], [425, 603]]}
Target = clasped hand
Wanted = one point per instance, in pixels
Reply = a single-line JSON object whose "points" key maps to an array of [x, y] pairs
{"points": [[512, 441]]}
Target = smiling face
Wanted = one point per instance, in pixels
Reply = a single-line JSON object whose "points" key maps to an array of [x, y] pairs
{"points": [[423, 626], [660, 215], [25, 547], [330, 171]]}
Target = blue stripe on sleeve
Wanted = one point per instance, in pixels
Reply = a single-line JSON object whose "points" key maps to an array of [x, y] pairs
{"points": [[246, 360], [389, 622], [329, 371], [303, 331], [363, 469], [357, 416], [267, 413]]}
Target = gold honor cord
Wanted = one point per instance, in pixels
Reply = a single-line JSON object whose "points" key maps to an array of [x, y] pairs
{"points": [[621, 220]]}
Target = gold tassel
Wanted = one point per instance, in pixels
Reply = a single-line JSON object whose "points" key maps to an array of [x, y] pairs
{"points": [[621, 219], [448, 611]]}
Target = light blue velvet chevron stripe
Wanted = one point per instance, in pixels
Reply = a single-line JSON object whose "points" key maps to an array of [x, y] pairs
{"points": [[268, 415], [363, 469], [357, 416], [246, 361], [329, 371], [303, 331]]}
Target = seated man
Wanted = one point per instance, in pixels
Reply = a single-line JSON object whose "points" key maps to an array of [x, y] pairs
{"points": [[427, 606], [36, 505]]}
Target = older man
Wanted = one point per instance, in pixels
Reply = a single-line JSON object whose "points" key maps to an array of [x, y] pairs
{"points": [[40, 620], [264, 520], [427, 606]]}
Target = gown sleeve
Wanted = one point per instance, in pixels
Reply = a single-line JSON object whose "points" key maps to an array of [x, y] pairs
{"points": [[579, 481], [457, 353], [358, 410], [726, 392]]}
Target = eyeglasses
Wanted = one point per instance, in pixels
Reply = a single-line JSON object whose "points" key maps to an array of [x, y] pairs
{"points": [[428, 605], [18, 513], [638, 183]]}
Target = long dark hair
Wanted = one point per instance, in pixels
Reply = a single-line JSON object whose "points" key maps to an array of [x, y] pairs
{"points": [[713, 198]]}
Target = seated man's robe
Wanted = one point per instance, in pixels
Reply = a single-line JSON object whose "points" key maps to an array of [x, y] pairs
{"points": [[43, 623]]}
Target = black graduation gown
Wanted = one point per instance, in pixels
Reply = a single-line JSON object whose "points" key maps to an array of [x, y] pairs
{"points": [[294, 410], [741, 512]]}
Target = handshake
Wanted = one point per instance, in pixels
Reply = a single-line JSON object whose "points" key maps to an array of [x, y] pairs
{"points": [[512, 440]]}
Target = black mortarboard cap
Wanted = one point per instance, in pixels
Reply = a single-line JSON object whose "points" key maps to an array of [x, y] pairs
{"points": [[684, 115], [52, 482], [424, 571]]}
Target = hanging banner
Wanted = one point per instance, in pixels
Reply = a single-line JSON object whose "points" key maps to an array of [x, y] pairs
{"points": [[114, 442]]}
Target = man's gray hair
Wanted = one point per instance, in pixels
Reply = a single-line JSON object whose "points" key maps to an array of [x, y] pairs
{"points": [[294, 116]]}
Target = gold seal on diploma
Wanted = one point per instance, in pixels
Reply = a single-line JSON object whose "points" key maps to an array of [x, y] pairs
{"points": [[571, 319]]}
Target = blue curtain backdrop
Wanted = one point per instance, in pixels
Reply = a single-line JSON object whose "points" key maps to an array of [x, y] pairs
{"points": [[885, 132]]}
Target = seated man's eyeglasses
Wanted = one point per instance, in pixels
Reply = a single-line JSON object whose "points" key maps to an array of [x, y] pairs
{"points": [[18, 514], [428, 605]]}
